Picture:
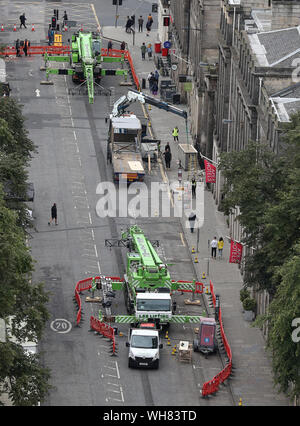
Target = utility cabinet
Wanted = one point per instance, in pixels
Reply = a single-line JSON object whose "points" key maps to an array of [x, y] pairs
{"points": [[187, 154]]}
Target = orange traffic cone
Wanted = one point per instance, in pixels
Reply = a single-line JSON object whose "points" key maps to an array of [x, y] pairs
{"points": [[32, 29], [15, 28]]}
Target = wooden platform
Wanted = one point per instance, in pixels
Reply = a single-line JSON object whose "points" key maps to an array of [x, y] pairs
{"points": [[185, 350], [192, 302], [96, 299]]}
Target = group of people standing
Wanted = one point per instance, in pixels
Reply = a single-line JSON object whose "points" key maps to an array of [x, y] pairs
{"points": [[217, 244], [146, 49], [24, 44], [131, 22]]}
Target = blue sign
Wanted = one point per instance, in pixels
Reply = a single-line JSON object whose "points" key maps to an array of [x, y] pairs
{"points": [[167, 44], [206, 340]]}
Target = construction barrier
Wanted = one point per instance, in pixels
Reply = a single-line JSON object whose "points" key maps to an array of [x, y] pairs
{"points": [[198, 286], [82, 285], [60, 50], [104, 329], [212, 385], [87, 284], [117, 53], [37, 50]]}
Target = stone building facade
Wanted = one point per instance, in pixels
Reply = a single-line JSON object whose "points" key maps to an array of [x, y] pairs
{"points": [[241, 56], [257, 91], [194, 35]]}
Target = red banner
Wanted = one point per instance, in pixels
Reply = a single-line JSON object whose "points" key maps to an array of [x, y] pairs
{"points": [[210, 172], [236, 251]]}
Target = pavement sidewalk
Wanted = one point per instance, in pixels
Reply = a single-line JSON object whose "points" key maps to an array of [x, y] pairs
{"points": [[252, 380]]}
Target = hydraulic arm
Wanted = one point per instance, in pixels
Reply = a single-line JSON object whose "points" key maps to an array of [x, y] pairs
{"points": [[147, 284], [133, 95]]}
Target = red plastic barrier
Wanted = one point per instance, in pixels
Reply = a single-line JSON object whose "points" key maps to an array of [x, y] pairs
{"points": [[105, 329], [82, 285], [213, 385], [37, 50], [86, 284], [134, 76]]}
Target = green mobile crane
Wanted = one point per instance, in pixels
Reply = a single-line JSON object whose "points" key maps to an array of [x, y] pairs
{"points": [[85, 62], [147, 284]]}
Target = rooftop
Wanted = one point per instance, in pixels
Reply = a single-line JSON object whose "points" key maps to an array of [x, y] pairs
{"points": [[278, 48], [286, 102]]}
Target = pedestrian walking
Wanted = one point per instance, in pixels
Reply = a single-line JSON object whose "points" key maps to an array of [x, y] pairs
{"points": [[194, 185], [156, 75], [175, 133], [109, 46], [149, 51], [220, 247], [192, 219], [151, 80], [128, 25], [25, 47], [65, 19], [168, 158], [53, 214], [214, 245], [18, 47], [154, 87], [23, 19], [143, 50], [140, 23], [149, 24], [123, 45], [150, 20], [167, 147], [50, 35], [132, 20]]}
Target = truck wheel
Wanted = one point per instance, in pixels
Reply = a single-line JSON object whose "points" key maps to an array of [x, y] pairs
{"points": [[156, 364]]}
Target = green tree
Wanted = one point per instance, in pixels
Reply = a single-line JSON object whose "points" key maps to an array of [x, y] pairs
{"points": [[22, 376], [266, 188], [24, 304], [284, 308], [13, 134], [253, 180], [16, 150]]}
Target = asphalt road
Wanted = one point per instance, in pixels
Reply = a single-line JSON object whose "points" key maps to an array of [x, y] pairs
{"points": [[71, 138]]}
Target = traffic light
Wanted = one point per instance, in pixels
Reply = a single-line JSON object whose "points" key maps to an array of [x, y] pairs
{"points": [[53, 22], [154, 7], [166, 21]]}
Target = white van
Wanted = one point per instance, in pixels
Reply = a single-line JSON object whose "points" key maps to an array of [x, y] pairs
{"points": [[144, 345]]}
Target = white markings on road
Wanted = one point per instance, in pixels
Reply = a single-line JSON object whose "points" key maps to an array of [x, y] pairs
{"points": [[117, 368], [37, 92], [61, 326]]}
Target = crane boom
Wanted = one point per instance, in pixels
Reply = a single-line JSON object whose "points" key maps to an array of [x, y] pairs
{"points": [[134, 95]]}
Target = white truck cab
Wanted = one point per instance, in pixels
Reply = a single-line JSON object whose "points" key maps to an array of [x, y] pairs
{"points": [[155, 306], [144, 344]]}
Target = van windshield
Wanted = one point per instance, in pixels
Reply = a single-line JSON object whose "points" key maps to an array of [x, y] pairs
{"points": [[149, 342], [153, 305]]}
